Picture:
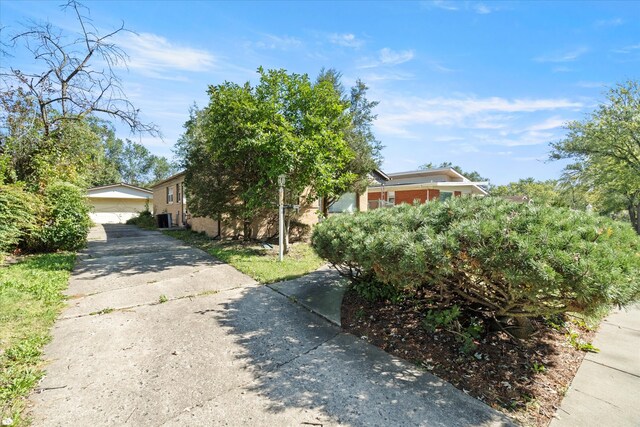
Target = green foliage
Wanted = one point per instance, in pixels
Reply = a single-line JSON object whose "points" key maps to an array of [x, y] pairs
{"points": [[435, 319], [579, 344], [144, 220], [547, 193], [502, 258], [65, 222], [605, 149], [450, 320], [538, 368], [285, 125], [30, 301], [18, 213]]}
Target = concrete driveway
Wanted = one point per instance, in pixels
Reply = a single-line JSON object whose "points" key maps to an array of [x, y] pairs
{"points": [[221, 351]]}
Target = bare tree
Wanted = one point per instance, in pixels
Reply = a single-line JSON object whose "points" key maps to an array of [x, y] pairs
{"points": [[77, 77]]}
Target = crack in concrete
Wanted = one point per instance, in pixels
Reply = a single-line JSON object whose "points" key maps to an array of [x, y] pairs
{"points": [[153, 282], [597, 398], [304, 353], [614, 368], [128, 307]]}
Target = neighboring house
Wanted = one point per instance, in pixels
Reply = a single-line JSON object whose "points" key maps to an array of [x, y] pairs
{"points": [[116, 203], [169, 197], [354, 202], [422, 186]]}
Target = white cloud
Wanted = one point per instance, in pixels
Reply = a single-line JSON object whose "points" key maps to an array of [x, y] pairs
{"points": [[519, 139], [346, 40], [551, 123], [388, 57], [562, 69], [442, 4], [591, 85], [387, 76], [504, 121], [455, 6], [481, 8], [154, 55], [437, 66], [271, 41], [614, 22], [566, 56], [628, 49]]}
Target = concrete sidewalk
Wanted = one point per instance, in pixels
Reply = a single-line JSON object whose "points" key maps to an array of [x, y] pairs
{"points": [[222, 350], [606, 389], [320, 292]]}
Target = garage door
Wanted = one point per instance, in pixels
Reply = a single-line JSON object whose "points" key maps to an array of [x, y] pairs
{"points": [[115, 211]]}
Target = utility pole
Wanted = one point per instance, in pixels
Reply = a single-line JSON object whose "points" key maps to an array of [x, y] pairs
{"points": [[281, 181]]}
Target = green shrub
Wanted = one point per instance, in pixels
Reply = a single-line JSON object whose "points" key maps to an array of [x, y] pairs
{"points": [[18, 215], [505, 259], [64, 223], [144, 220]]}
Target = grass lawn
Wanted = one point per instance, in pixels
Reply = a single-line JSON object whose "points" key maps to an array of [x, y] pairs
{"points": [[253, 259], [30, 300]]}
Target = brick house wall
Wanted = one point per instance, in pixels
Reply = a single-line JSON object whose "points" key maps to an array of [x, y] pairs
{"points": [[409, 196], [168, 197]]}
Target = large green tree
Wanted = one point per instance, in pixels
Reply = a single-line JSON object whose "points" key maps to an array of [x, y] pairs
{"points": [[548, 193], [47, 130], [235, 148], [605, 150], [358, 134]]}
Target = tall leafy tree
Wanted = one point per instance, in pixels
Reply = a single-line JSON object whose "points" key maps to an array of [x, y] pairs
{"points": [[548, 193], [235, 148], [605, 150], [358, 134], [46, 130]]}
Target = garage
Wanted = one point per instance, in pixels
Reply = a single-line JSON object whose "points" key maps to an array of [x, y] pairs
{"points": [[116, 203]]}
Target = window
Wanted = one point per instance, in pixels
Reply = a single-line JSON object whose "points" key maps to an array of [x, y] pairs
{"points": [[170, 194], [346, 203], [444, 195], [391, 197], [178, 193]]}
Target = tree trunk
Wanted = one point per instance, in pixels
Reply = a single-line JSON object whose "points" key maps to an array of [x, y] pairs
{"points": [[634, 216], [325, 206], [247, 230]]}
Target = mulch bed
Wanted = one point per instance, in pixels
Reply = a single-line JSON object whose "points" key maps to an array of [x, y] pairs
{"points": [[524, 379]]}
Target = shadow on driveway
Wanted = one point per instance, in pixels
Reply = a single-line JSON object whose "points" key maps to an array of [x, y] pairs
{"points": [[302, 361]]}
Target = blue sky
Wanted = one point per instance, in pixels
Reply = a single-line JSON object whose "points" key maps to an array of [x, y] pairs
{"points": [[485, 85]]}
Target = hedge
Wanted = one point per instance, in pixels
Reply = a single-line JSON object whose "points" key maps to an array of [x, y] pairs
{"points": [[492, 255]]}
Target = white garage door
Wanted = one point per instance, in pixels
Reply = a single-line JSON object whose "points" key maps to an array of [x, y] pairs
{"points": [[115, 211]]}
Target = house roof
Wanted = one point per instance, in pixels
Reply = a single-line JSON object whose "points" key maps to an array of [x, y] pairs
{"points": [[159, 183], [120, 184], [119, 191], [379, 176], [406, 179]]}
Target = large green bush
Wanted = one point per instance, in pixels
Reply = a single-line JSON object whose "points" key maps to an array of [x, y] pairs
{"points": [[492, 255], [64, 223], [18, 213], [144, 220]]}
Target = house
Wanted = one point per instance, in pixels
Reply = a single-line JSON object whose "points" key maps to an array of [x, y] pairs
{"points": [[116, 203], [169, 197], [421, 186]]}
